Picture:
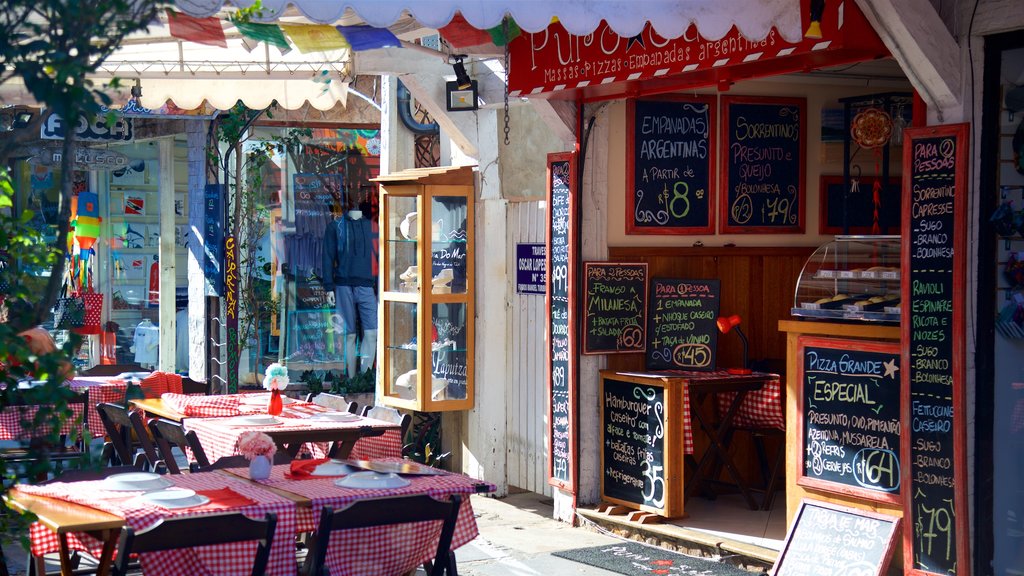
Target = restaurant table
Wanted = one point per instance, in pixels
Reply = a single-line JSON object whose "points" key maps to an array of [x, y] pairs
{"points": [[386, 550], [361, 438], [101, 389]]}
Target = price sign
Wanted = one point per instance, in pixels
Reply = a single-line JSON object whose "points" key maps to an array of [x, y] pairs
{"points": [[763, 152], [934, 254], [615, 307], [562, 346], [681, 324]]}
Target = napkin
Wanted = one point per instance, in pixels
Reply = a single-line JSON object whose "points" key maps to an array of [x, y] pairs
{"points": [[303, 469], [224, 498]]}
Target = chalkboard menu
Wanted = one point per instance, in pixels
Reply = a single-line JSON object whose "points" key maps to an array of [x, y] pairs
{"points": [[935, 164], [681, 324], [561, 251], [615, 307], [850, 417], [670, 166], [763, 151], [828, 540], [633, 450]]}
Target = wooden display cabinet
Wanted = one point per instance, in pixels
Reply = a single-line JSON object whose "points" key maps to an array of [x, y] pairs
{"points": [[427, 297]]}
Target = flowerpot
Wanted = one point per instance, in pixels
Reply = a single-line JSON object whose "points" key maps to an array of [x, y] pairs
{"points": [[259, 468]]}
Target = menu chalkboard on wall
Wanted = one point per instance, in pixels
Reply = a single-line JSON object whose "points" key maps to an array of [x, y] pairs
{"points": [[934, 255], [763, 152], [561, 252], [633, 434], [614, 307], [670, 165], [829, 540], [681, 324], [849, 410]]}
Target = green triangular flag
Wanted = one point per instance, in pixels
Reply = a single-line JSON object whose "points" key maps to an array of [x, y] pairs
{"points": [[498, 32], [268, 33]]}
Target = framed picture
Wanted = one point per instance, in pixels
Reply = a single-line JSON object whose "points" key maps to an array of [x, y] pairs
{"points": [[846, 211], [134, 204]]}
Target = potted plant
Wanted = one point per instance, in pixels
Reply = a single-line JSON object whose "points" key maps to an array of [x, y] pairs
{"points": [[359, 388]]}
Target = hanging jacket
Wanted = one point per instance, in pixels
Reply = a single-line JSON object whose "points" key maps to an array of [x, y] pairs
{"points": [[349, 253]]}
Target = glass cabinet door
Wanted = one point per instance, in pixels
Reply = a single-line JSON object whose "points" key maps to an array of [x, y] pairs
{"points": [[448, 245]]}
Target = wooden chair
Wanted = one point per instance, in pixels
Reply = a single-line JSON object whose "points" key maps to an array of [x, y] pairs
{"points": [[239, 461], [127, 435], [384, 511], [39, 447], [334, 402], [112, 369], [194, 531], [388, 414], [168, 434], [190, 386]]}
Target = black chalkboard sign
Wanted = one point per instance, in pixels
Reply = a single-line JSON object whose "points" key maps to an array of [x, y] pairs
{"points": [[614, 307], [670, 165], [681, 324], [850, 413], [561, 253], [829, 540], [633, 433], [934, 256], [763, 152]]}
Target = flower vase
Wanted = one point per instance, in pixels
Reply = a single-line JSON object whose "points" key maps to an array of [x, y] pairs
{"points": [[276, 405], [259, 468]]}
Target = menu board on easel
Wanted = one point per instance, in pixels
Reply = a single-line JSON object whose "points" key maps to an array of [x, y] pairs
{"points": [[934, 272], [763, 152], [561, 336], [614, 307], [681, 324], [670, 159]]}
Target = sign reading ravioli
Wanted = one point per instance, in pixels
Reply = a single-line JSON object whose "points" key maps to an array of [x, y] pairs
{"points": [[763, 152], [615, 307], [681, 325], [850, 417]]}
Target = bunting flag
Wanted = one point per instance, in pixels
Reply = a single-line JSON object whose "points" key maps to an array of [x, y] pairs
{"points": [[367, 37], [268, 33], [459, 33], [201, 30], [314, 38], [498, 33]]}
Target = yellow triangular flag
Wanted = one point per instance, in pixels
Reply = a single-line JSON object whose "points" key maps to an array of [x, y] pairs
{"points": [[314, 38]]}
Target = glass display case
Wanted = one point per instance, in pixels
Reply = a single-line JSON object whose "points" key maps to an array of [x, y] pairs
{"points": [[851, 278], [426, 224]]}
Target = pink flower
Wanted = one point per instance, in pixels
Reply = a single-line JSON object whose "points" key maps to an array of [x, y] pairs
{"points": [[252, 444]]}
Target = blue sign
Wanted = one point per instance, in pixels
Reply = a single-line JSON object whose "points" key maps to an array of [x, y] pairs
{"points": [[531, 269], [213, 238]]}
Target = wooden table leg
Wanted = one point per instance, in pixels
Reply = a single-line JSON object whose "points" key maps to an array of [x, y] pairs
{"points": [[716, 448], [107, 554], [66, 567]]}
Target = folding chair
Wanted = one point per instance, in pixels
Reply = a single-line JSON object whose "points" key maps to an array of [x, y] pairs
{"points": [[334, 402], [195, 531], [383, 511], [127, 435], [167, 434], [388, 414]]}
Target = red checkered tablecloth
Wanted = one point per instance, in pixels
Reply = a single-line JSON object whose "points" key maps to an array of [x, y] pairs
{"points": [[13, 417], [220, 438], [202, 406], [760, 408], [227, 559], [383, 550], [102, 389]]}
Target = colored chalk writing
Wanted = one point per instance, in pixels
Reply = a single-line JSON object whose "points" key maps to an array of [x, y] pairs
{"points": [[614, 307], [633, 442], [828, 540], [561, 229], [681, 324]]}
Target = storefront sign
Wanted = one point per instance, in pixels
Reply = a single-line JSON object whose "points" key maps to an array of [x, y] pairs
{"points": [[561, 333], [531, 268], [213, 238], [231, 309], [830, 539], [850, 413], [54, 128], [935, 164], [763, 152], [614, 307], [670, 163], [681, 325], [633, 443], [84, 159]]}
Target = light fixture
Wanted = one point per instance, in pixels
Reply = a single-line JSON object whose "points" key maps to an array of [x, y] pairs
{"points": [[462, 79], [814, 28], [727, 323], [15, 118], [137, 89]]}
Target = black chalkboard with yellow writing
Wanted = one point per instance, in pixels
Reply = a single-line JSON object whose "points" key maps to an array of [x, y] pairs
{"points": [[614, 307], [763, 150]]}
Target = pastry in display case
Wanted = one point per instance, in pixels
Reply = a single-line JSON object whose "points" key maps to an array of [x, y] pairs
{"points": [[851, 278]]}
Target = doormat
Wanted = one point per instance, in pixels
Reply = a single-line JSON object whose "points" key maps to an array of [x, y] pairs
{"points": [[632, 558]]}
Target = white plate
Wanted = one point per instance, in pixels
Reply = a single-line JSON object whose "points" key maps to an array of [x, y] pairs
{"points": [[135, 481], [254, 420], [175, 498], [332, 469], [370, 479], [336, 416], [262, 399]]}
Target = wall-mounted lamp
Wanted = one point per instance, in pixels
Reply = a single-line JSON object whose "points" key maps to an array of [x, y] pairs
{"points": [[462, 79], [727, 323], [462, 93], [15, 118], [814, 28], [137, 89]]}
